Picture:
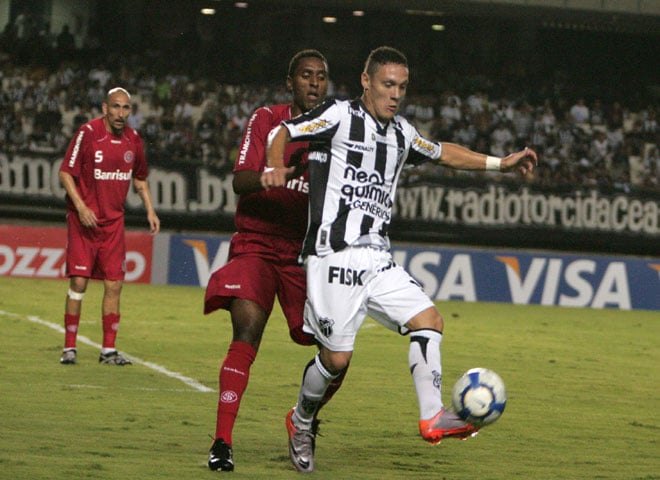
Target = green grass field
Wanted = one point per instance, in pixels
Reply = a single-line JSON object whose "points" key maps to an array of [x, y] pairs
{"points": [[584, 401]]}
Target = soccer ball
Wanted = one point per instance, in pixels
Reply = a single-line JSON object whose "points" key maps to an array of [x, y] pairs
{"points": [[479, 396]]}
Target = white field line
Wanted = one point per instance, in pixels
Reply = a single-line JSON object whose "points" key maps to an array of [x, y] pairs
{"points": [[82, 339]]}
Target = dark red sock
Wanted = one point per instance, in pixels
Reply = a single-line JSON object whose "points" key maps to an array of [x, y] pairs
{"points": [[234, 377], [71, 323], [110, 327]]}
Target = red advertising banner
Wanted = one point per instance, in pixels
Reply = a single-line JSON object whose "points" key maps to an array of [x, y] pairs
{"points": [[39, 252]]}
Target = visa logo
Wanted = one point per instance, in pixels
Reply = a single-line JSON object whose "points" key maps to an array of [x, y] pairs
{"points": [[205, 266], [585, 287]]}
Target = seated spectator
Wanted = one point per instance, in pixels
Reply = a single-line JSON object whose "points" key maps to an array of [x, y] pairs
{"points": [[579, 112], [600, 151], [523, 120], [465, 134], [477, 102], [650, 129], [503, 111], [422, 115], [450, 112], [100, 75], [636, 164], [183, 112], [538, 137], [616, 115], [151, 130], [501, 137], [95, 95], [83, 115], [136, 118], [615, 137], [17, 139], [651, 165], [597, 114], [548, 119]]}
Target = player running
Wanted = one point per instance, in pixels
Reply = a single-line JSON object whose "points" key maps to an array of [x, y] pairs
{"points": [[263, 255]]}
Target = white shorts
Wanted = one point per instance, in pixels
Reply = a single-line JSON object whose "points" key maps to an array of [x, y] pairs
{"points": [[346, 286]]}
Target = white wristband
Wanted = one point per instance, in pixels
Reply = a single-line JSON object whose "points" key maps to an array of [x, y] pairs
{"points": [[493, 163]]}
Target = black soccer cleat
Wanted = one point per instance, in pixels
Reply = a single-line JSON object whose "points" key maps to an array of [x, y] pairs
{"points": [[69, 357], [221, 456], [114, 358]]}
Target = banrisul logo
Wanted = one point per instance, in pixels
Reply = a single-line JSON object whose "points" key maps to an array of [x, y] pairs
{"points": [[116, 175]]}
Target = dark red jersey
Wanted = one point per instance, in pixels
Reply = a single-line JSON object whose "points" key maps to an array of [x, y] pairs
{"points": [[277, 211], [103, 166]]}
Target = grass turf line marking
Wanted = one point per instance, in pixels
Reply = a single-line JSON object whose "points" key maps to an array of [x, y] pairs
{"points": [[82, 339], [132, 389]]}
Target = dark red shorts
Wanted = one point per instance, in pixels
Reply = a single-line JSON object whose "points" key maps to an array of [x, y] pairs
{"points": [[260, 268], [98, 252]]}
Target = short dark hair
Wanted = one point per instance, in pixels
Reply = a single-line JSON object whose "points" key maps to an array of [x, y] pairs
{"points": [[382, 56], [309, 52]]}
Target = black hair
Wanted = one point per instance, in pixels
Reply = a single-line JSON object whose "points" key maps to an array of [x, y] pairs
{"points": [[384, 55], [297, 58]]}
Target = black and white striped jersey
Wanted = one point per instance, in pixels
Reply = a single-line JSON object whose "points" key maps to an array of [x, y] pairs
{"points": [[354, 165]]}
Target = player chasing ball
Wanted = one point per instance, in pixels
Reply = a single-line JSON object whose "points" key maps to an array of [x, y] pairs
{"points": [[263, 254], [358, 149]]}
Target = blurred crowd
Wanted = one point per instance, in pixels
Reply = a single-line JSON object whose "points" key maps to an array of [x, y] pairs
{"points": [[195, 121], [579, 142]]}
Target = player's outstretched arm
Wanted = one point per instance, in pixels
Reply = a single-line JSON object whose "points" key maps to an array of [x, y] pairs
{"points": [[461, 158]]}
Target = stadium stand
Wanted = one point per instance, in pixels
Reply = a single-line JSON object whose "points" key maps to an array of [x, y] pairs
{"points": [[192, 119]]}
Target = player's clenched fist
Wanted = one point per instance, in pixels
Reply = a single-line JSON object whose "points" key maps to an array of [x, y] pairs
{"points": [[275, 176]]}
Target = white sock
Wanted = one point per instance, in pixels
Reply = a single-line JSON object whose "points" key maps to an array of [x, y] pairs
{"points": [[315, 382], [426, 370]]}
